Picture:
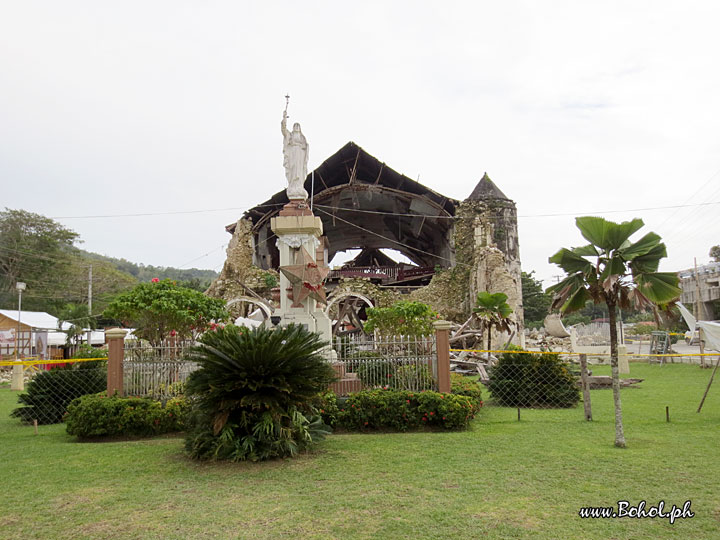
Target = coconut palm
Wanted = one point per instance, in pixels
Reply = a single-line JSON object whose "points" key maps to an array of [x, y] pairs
{"points": [[493, 312], [616, 272]]}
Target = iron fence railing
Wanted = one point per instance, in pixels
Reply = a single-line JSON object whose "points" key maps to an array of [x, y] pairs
{"points": [[159, 371], [403, 362]]}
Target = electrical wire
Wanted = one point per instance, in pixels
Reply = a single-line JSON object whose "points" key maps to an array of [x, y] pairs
{"points": [[202, 256], [691, 197], [181, 212], [172, 213], [562, 214], [393, 241]]}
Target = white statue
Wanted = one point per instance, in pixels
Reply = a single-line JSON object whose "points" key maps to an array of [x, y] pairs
{"points": [[295, 153]]}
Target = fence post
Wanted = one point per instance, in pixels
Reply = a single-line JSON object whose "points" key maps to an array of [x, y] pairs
{"points": [[442, 345], [585, 387], [116, 352]]}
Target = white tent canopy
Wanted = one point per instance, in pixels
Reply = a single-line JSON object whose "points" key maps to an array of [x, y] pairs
{"points": [[711, 330]]}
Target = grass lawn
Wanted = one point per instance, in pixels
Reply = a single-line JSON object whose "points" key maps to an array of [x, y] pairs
{"points": [[501, 479]]}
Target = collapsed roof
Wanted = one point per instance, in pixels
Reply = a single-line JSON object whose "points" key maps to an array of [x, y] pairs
{"points": [[365, 204]]}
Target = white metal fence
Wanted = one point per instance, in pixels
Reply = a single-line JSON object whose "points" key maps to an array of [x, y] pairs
{"points": [[159, 372], [404, 362]]}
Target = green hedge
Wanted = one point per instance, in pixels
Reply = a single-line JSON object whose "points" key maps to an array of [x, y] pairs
{"points": [[97, 415], [532, 380], [402, 410], [464, 386]]}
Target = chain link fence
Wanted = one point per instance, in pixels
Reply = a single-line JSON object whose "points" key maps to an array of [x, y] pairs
{"points": [[48, 392], [532, 385]]}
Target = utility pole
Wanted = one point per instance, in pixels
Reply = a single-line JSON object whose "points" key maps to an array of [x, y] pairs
{"points": [[696, 306], [18, 381], [89, 333], [696, 310]]}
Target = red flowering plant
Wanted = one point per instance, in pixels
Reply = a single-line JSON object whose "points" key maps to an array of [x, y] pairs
{"points": [[158, 308]]}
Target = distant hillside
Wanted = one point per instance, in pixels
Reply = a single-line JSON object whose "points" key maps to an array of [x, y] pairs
{"points": [[192, 277]]}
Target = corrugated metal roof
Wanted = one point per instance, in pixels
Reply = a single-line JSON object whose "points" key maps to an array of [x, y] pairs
{"points": [[35, 319]]}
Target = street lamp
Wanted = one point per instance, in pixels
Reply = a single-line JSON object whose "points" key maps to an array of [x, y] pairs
{"points": [[17, 382]]}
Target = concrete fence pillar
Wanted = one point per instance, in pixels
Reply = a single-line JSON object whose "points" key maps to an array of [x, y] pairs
{"points": [[623, 363], [442, 344], [116, 352]]}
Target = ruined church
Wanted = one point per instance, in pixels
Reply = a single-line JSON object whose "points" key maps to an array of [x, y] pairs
{"points": [[456, 248]]}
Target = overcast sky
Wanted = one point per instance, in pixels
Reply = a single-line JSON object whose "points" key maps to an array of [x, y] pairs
{"points": [[573, 107]]}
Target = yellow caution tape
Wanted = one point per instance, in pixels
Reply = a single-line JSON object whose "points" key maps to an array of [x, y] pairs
{"points": [[638, 355], [46, 362]]}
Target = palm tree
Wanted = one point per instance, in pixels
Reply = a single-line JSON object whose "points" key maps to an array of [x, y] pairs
{"points": [[493, 312], [613, 271], [79, 318]]}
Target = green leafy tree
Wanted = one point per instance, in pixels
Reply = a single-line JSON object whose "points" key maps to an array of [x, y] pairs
{"points": [[536, 302], [158, 308], [252, 395], [494, 312], [36, 250], [40, 252], [715, 253], [613, 271], [401, 319]]}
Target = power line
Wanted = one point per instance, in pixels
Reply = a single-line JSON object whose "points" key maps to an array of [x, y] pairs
{"points": [[33, 253], [561, 214], [202, 256], [690, 197], [177, 212], [208, 210], [394, 241]]}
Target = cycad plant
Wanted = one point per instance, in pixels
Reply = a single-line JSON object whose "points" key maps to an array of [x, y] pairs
{"points": [[252, 394], [616, 272]]}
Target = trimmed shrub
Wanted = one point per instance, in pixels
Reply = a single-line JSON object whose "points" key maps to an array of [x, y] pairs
{"points": [[49, 393], [402, 410], [532, 380], [463, 386], [253, 393], [97, 415], [327, 406]]}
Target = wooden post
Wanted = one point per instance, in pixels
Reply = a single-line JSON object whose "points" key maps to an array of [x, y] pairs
{"points": [[585, 387], [667, 413], [712, 376], [116, 351], [442, 345]]}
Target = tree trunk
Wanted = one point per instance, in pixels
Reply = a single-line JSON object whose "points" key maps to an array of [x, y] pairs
{"points": [[489, 331], [619, 434]]}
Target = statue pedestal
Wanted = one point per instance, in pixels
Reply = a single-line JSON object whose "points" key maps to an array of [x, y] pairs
{"points": [[297, 228]]}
